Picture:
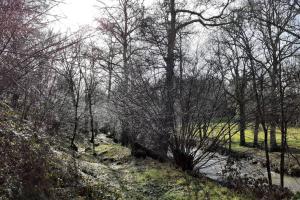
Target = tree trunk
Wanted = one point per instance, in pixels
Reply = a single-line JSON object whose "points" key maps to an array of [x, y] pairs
{"points": [[92, 123], [75, 99], [273, 143], [283, 127], [242, 123], [125, 135], [230, 139], [256, 130], [274, 109], [86, 115], [125, 125], [180, 69], [268, 164], [282, 154], [169, 83], [109, 81], [75, 126], [261, 114]]}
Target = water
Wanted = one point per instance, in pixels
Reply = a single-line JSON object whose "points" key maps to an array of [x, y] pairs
{"points": [[214, 167]]}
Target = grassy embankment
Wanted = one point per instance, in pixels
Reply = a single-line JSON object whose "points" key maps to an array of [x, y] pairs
{"points": [[130, 178], [112, 174]]}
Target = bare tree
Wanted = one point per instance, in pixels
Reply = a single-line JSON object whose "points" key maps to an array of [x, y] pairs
{"points": [[121, 22], [231, 64], [273, 20], [206, 117], [70, 68], [91, 79], [245, 32], [163, 35]]}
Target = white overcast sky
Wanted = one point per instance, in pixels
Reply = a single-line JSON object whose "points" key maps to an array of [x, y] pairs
{"points": [[76, 13]]}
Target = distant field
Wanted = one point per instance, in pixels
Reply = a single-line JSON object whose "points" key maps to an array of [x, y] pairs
{"points": [[293, 137]]}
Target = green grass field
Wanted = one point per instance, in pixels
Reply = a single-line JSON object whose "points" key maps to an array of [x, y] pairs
{"points": [[293, 137]]}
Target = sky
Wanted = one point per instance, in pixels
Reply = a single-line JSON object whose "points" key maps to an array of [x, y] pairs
{"points": [[76, 13]]}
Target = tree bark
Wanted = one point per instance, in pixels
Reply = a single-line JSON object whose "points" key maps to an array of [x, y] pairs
{"points": [[283, 127], [273, 143], [125, 125], [282, 153], [86, 115], [261, 114], [242, 123], [256, 130], [75, 125], [274, 84], [75, 99], [169, 83], [92, 123], [230, 139], [109, 81]]}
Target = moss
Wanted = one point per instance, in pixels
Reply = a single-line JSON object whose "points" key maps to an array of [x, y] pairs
{"points": [[296, 196], [180, 181], [114, 152], [99, 192], [88, 158], [162, 181]]}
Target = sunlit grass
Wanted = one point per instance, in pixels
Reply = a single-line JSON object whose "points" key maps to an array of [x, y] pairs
{"points": [[293, 140], [293, 137]]}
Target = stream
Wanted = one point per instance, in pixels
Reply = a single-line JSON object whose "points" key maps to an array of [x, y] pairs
{"points": [[213, 169]]}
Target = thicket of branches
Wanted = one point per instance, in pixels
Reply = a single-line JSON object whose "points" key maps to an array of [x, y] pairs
{"points": [[152, 79]]}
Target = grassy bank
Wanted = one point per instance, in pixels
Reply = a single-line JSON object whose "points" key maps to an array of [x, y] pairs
{"points": [[125, 177], [35, 165]]}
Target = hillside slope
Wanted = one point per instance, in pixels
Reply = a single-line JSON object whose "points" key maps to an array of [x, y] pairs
{"points": [[35, 166]]}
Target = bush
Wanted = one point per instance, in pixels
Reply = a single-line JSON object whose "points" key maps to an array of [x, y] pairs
{"points": [[24, 168]]}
